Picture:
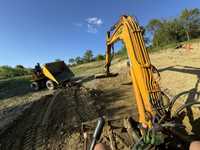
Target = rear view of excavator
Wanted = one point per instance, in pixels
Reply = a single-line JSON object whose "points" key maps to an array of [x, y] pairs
{"points": [[51, 75], [156, 127]]}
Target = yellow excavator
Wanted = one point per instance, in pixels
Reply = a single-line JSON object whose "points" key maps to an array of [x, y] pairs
{"points": [[156, 126]]}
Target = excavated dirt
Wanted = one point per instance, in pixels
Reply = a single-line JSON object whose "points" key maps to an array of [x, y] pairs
{"points": [[26, 131], [49, 121], [71, 108], [54, 121]]}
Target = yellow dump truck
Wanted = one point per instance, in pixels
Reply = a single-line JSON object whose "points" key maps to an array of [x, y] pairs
{"points": [[51, 75]]}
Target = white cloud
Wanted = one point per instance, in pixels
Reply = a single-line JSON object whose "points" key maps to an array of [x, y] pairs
{"points": [[91, 29], [93, 23]]}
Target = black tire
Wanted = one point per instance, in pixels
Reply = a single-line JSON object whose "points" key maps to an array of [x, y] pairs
{"points": [[50, 85], [35, 86]]}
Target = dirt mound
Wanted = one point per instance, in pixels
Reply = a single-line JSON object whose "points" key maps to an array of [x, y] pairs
{"points": [[71, 108], [54, 121], [50, 121], [25, 132]]}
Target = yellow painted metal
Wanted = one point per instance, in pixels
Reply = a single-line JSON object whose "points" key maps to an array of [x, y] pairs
{"points": [[57, 72], [145, 87], [48, 74]]}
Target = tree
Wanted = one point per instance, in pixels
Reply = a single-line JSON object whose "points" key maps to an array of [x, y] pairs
{"points": [[184, 27], [154, 25], [146, 39], [100, 57], [191, 21], [19, 66], [56, 60], [122, 51], [88, 56], [71, 61], [78, 60], [170, 32]]}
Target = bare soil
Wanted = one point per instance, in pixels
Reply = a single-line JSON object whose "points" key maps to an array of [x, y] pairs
{"points": [[52, 120]]}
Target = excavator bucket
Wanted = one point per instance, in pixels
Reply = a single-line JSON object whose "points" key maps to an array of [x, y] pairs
{"points": [[57, 72]]}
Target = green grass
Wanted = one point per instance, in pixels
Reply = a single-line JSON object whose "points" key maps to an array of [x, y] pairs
{"points": [[160, 48], [95, 67], [14, 87], [192, 41], [173, 45], [88, 68], [9, 72]]}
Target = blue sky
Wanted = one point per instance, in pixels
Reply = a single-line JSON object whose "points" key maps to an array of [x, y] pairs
{"points": [[43, 30]]}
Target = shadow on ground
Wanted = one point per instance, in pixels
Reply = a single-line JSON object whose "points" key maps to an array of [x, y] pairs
{"points": [[191, 95], [118, 102]]}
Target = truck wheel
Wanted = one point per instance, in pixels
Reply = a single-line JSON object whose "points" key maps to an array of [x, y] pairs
{"points": [[35, 86], [50, 85]]}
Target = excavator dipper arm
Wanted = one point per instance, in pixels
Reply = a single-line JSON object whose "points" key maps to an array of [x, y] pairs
{"points": [[146, 89], [157, 127]]}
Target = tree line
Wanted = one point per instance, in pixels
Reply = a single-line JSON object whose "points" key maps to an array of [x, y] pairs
{"points": [[158, 33], [184, 27], [87, 57], [18, 70]]}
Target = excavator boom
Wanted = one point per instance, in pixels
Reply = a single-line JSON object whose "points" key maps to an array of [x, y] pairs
{"points": [[146, 89]]}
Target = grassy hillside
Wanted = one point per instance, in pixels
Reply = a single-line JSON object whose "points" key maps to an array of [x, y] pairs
{"points": [[179, 68], [173, 45], [9, 72], [94, 67], [88, 68], [14, 86]]}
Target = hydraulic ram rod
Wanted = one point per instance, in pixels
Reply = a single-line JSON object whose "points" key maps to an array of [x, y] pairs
{"points": [[97, 132]]}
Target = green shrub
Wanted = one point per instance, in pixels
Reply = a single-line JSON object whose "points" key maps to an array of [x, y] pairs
{"points": [[100, 57], [8, 72]]}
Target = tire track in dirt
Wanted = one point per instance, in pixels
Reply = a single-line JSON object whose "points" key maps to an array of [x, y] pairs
{"points": [[26, 132], [73, 106], [52, 122]]}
